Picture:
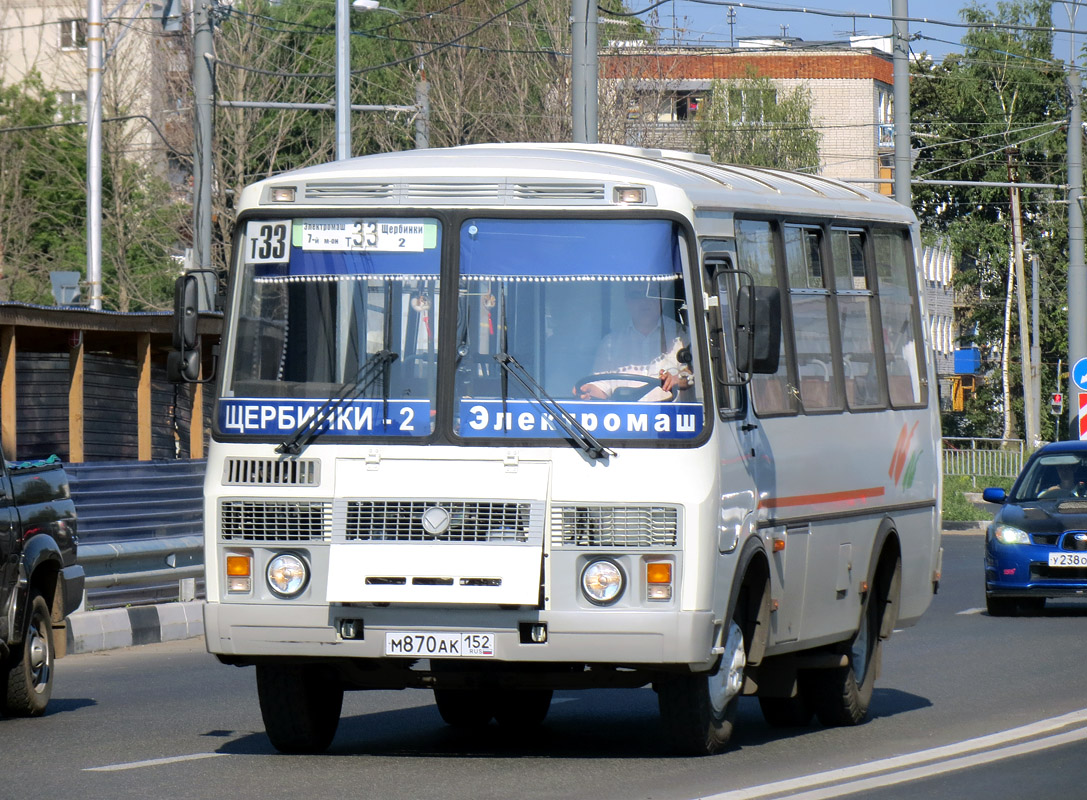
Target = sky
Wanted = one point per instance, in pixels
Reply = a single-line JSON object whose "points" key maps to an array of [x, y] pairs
{"points": [[708, 24]]}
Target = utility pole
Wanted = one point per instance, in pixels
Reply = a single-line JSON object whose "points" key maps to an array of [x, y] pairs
{"points": [[422, 105], [202, 121], [903, 166], [1077, 273], [343, 79], [94, 151], [1030, 420], [584, 70], [1035, 347]]}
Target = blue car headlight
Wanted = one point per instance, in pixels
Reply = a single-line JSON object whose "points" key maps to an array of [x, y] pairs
{"points": [[1006, 534]]}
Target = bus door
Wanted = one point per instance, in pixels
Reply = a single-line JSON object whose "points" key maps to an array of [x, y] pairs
{"points": [[737, 437]]}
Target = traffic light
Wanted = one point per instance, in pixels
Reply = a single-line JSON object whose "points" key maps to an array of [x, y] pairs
{"points": [[1056, 404]]}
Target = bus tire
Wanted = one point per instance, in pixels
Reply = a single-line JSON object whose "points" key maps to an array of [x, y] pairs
{"points": [[841, 696], [522, 709], [1000, 606], [699, 710], [29, 682], [300, 705], [786, 712], [466, 708]]}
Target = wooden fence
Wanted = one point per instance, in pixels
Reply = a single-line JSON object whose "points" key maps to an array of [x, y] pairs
{"points": [[91, 386]]}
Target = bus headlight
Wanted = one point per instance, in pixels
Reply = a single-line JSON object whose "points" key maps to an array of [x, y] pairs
{"points": [[602, 582], [287, 574]]}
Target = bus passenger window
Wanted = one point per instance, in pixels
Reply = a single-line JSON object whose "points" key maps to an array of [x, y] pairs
{"points": [[855, 319], [816, 364], [900, 335], [771, 394]]}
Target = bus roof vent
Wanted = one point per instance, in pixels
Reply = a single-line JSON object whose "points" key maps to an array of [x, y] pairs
{"points": [[348, 191], [272, 472], [452, 191], [559, 191]]}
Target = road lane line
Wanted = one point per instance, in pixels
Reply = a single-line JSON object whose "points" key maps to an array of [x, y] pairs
{"points": [[152, 762], [969, 611], [949, 751], [932, 770]]}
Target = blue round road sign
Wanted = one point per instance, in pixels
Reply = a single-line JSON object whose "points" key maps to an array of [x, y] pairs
{"points": [[1079, 373]]}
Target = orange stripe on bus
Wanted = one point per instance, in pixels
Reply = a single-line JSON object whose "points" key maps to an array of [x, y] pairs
{"points": [[828, 497]]}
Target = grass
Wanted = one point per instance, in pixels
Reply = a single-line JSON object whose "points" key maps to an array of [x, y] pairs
{"points": [[957, 508]]}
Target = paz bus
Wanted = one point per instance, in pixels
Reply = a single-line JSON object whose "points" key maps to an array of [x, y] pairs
{"points": [[502, 420]]}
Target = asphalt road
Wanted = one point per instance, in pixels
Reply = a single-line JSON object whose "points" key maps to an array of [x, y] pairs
{"points": [[968, 706]]}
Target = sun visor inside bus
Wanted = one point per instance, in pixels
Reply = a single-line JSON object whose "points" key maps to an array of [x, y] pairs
{"points": [[558, 249]]}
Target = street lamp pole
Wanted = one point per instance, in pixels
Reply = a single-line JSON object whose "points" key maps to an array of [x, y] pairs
{"points": [[343, 80]]}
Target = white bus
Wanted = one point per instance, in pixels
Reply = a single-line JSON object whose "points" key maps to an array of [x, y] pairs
{"points": [[501, 420]]}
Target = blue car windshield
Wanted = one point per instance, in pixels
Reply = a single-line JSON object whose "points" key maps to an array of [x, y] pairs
{"points": [[1055, 476]]}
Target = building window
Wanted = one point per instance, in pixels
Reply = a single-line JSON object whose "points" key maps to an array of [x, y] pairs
{"points": [[73, 34], [71, 104]]}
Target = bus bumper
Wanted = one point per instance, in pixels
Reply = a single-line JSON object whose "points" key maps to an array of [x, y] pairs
{"points": [[616, 636]]}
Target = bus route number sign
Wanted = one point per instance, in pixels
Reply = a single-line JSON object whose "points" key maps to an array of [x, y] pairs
{"points": [[382, 235]]}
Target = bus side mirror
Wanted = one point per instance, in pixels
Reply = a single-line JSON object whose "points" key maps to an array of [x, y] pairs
{"points": [[183, 362], [758, 329]]}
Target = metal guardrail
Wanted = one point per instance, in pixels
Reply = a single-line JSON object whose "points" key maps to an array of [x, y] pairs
{"points": [[981, 457], [140, 530]]}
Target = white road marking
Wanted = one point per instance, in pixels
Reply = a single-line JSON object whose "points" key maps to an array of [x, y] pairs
{"points": [[905, 764], [969, 611], [152, 762]]}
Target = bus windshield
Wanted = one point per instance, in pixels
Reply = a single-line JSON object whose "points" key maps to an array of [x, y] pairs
{"points": [[318, 300], [590, 312], [594, 312]]}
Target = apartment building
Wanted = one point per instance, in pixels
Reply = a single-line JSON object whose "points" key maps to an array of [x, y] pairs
{"points": [[145, 79], [850, 85]]}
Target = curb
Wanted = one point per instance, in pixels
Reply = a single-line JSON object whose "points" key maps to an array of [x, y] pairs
{"points": [[91, 631]]}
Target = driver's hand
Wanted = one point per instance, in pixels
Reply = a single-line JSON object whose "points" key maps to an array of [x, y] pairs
{"points": [[590, 391], [674, 381]]}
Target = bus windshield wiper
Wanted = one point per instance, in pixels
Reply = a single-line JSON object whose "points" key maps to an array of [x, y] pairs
{"points": [[574, 429], [371, 370]]}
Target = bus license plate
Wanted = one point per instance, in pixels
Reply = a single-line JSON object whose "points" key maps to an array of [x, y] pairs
{"points": [[1068, 559], [423, 644]]}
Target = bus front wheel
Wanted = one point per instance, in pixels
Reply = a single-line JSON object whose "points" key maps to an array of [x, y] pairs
{"points": [[300, 705], [699, 710]]}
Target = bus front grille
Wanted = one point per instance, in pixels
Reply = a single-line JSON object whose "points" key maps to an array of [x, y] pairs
{"points": [[446, 521], [614, 526], [275, 520], [271, 472]]}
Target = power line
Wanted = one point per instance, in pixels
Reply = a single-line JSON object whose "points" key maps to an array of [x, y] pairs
{"points": [[852, 15]]}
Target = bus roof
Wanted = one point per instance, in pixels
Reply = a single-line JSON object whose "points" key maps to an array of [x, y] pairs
{"points": [[563, 175]]}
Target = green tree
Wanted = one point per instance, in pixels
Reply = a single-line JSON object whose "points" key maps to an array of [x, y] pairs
{"points": [[1004, 91], [41, 212], [754, 122]]}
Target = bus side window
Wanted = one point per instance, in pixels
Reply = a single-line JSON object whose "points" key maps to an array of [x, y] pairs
{"points": [[817, 364], [856, 319], [771, 394], [901, 339]]}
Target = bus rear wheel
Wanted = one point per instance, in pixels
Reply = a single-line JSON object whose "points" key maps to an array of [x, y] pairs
{"points": [[300, 705], [522, 709], [465, 708], [841, 696], [698, 711]]}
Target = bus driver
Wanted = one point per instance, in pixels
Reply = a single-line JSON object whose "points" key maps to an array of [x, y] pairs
{"points": [[650, 344]]}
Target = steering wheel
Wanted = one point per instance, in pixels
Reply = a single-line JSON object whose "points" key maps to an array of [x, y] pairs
{"points": [[624, 393]]}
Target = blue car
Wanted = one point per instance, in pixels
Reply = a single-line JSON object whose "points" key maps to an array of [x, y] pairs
{"points": [[1036, 546]]}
